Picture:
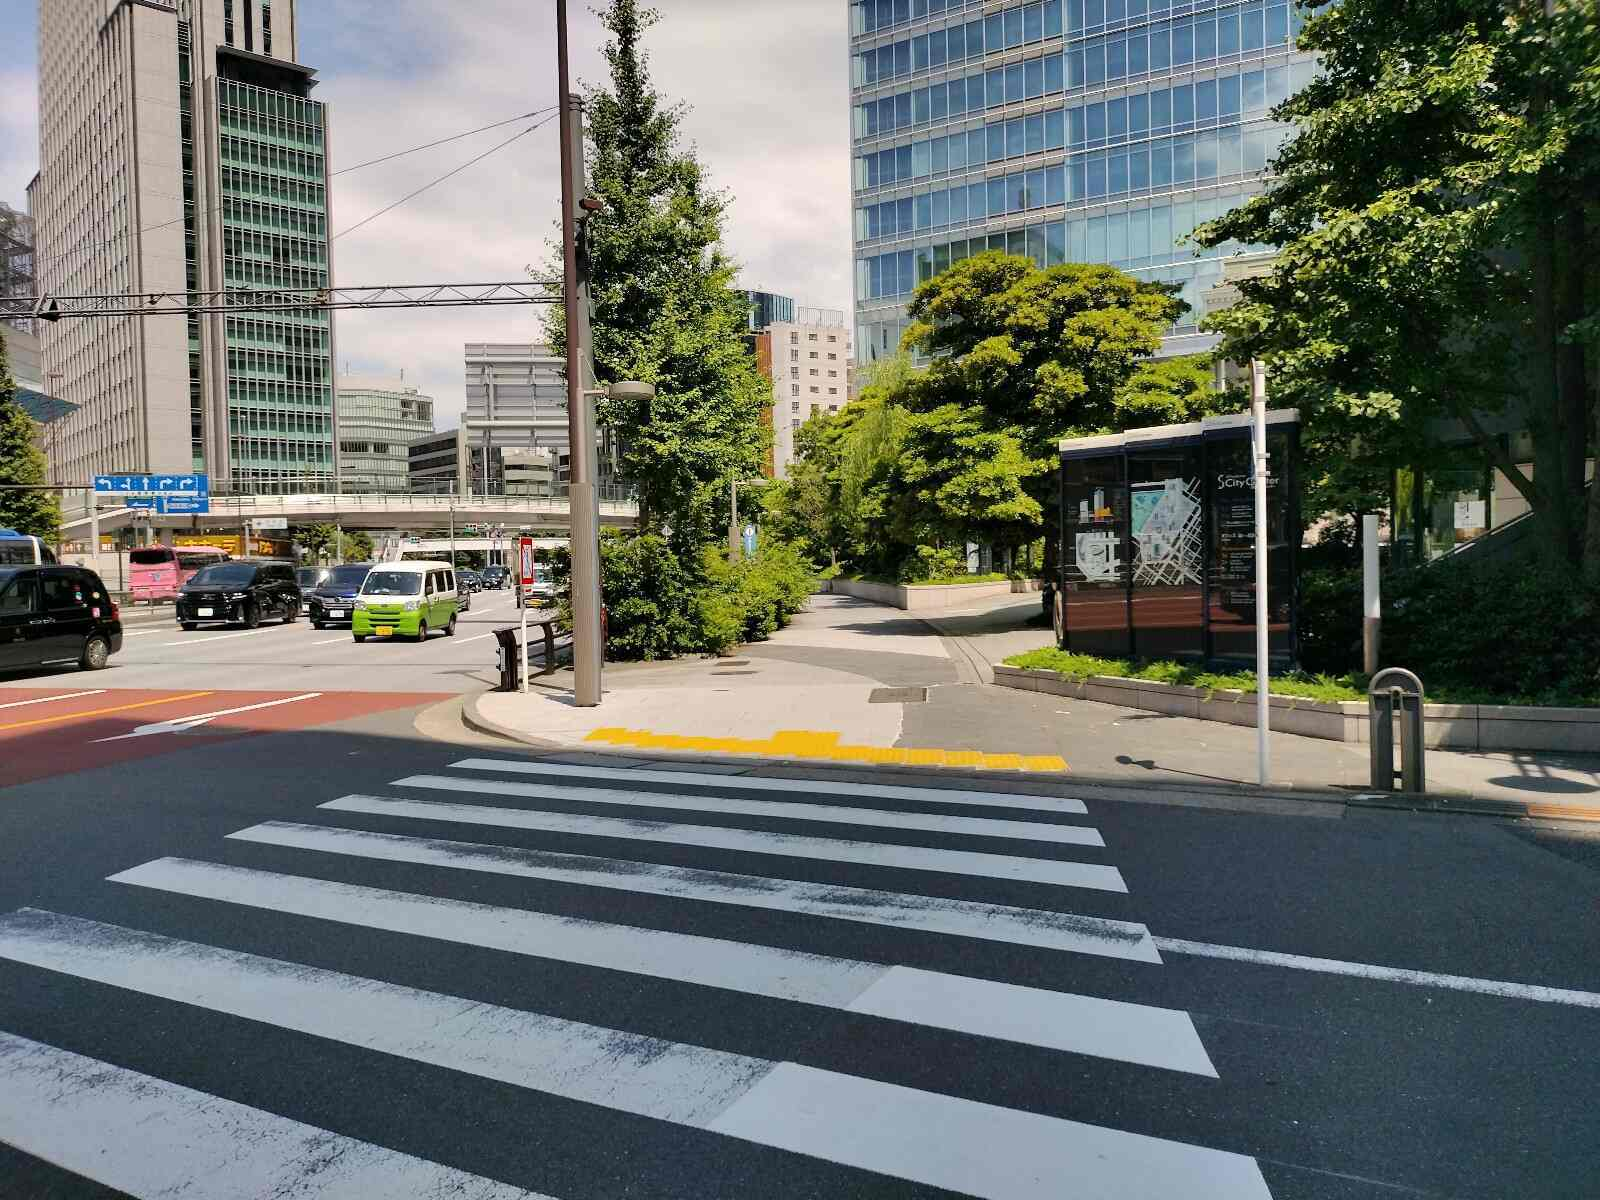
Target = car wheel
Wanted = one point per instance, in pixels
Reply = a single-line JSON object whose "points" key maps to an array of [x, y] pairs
{"points": [[252, 617], [450, 629], [318, 625], [422, 631], [188, 626], [358, 637], [292, 615], [95, 653]]}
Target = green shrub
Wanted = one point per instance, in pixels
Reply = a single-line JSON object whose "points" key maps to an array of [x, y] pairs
{"points": [[932, 562], [1330, 619], [1081, 666]]}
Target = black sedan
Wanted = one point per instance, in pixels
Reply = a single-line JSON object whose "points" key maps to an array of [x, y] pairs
{"points": [[469, 580], [333, 600]]}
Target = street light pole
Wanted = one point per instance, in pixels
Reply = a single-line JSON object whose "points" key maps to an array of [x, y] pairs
{"points": [[581, 501]]}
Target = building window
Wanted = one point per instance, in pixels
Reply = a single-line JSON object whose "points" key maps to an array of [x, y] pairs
{"points": [[794, 389], [794, 424], [833, 408], [833, 391], [794, 356], [794, 372], [833, 337], [794, 406], [814, 391], [811, 337], [794, 338], [813, 354], [813, 370], [832, 357], [833, 374]]}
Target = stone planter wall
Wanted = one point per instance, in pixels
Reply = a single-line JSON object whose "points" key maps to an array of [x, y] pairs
{"points": [[918, 597], [1447, 727]]}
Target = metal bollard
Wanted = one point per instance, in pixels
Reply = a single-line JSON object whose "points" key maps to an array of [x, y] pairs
{"points": [[1396, 690]]}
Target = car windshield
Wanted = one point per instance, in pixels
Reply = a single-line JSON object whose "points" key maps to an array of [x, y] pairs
{"points": [[393, 583], [154, 556], [346, 577], [225, 575], [307, 576]]}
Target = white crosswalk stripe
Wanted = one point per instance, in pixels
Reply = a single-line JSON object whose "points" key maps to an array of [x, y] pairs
{"points": [[944, 1141], [1157, 1037], [149, 1136], [928, 914], [873, 854], [1029, 831]]}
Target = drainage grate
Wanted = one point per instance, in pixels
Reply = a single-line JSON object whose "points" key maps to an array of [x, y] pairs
{"points": [[736, 672], [898, 695]]}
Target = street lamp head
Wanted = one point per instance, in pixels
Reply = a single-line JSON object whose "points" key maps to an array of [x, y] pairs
{"points": [[631, 389]]}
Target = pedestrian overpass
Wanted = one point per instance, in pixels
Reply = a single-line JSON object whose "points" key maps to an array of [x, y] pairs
{"points": [[404, 513]]}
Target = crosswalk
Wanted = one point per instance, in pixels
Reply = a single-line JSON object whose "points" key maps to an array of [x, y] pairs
{"points": [[593, 948]]}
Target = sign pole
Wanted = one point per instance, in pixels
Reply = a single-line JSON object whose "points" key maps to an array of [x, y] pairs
{"points": [[524, 588], [1258, 425], [1371, 602]]}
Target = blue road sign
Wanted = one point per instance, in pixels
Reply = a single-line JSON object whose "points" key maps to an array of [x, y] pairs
{"points": [[749, 540], [185, 504], [197, 484], [146, 503]]}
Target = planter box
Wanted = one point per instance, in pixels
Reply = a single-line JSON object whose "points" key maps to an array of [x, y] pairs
{"points": [[918, 597], [1484, 727]]}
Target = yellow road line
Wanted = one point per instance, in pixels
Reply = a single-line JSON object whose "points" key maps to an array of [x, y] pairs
{"points": [[822, 744], [100, 712]]}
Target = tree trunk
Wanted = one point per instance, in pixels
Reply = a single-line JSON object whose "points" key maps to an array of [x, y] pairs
{"points": [[1556, 515]]}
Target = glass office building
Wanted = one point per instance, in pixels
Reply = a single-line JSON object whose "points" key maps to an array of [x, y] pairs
{"points": [[1067, 130]]}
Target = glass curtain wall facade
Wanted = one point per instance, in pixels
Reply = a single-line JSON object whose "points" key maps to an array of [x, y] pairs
{"points": [[274, 211], [378, 422], [1067, 130]]}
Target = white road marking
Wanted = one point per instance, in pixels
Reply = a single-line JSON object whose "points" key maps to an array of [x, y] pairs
{"points": [[48, 699], [179, 724], [1333, 966], [330, 641], [976, 1149], [221, 637], [923, 914], [1030, 831], [760, 783], [790, 845], [128, 633], [1156, 1037], [149, 1138], [961, 1145]]}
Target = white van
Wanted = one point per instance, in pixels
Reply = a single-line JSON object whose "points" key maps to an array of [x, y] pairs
{"points": [[406, 599]]}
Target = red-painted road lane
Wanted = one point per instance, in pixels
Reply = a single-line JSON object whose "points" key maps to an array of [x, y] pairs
{"points": [[56, 731]]}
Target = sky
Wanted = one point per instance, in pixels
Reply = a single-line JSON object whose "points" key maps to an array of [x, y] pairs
{"points": [[766, 86]]}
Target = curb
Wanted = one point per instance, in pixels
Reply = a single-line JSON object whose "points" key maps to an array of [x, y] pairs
{"points": [[1053, 783]]}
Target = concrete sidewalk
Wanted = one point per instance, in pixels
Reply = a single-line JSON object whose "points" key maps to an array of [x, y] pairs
{"points": [[852, 681]]}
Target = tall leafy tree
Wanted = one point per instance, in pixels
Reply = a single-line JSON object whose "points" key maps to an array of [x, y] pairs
{"points": [[664, 307], [22, 466], [1438, 213]]}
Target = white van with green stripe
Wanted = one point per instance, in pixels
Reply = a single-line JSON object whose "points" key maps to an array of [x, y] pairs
{"points": [[406, 599]]}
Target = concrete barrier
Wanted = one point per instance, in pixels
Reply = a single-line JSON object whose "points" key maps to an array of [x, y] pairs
{"points": [[919, 597], [1488, 727]]}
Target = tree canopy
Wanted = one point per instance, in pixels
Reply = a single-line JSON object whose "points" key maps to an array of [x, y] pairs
{"points": [[22, 465], [1437, 216], [664, 308]]}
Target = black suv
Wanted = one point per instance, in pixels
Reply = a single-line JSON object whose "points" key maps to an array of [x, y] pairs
{"points": [[334, 599], [244, 591], [56, 614], [495, 576]]}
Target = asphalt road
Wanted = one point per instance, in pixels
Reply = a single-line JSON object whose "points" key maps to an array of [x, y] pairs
{"points": [[335, 958], [158, 654]]}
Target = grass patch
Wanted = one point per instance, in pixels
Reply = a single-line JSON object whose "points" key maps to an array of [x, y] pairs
{"points": [[1081, 666]]}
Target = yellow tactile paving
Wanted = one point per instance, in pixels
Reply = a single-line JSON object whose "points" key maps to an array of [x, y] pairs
{"points": [[824, 744]]}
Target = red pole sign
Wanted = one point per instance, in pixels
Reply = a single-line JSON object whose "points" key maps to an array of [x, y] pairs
{"points": [[525, 561]]}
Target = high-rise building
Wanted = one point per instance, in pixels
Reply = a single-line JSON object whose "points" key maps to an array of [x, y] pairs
{"points": [[179, 147], [379, 418], [811, 371], [767, 307], [516, 396], [1097, 131]]}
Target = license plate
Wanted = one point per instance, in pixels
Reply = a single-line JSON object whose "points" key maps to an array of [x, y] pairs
{"points": [[336, 612], [203, 612], [385, 630]]}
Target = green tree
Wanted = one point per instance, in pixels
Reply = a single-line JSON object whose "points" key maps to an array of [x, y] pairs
{"points": [[22, 465], [1170, 391], [358, 546], [318, 540], [1021, 357], [1438, 214], [664, 309]]}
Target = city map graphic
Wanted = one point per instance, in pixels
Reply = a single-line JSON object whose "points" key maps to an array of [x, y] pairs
{"points": [[1166, 528]]}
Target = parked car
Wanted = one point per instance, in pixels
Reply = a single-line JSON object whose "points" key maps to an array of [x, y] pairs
{"points": [[497, 577], [406, 599], [56, 614], [245, 591], [333, 600]]}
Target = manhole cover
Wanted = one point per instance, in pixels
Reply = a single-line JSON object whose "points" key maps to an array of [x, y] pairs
{"points": [[898, 695]]}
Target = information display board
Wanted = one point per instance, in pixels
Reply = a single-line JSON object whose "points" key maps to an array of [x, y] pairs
{"points": [[1158, 541]]}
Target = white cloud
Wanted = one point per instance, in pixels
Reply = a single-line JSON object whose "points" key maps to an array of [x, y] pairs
{"points": [[766, 86]]}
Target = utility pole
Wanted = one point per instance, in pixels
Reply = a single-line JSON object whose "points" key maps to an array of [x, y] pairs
{"points": [[1258, 426], [581, 500]]}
